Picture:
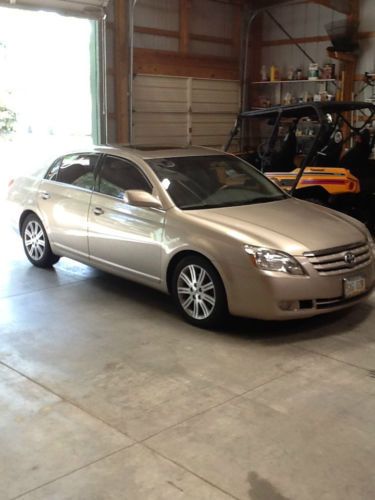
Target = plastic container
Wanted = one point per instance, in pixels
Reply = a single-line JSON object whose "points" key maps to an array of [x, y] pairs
{"points": [[313, 71], [274, 73]]}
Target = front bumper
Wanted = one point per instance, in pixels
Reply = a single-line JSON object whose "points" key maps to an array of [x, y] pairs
{"points": [[264, 295]]}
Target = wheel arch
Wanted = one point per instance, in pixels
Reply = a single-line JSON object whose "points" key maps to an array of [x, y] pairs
{"points": [[23, 216], [181, 255]]}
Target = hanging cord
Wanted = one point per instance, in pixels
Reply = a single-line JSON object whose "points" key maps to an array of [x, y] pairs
{"points": [[290, 37], [293, 40]]}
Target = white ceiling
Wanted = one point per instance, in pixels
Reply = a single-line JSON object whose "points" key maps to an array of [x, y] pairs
{"points": [[92, 9]]}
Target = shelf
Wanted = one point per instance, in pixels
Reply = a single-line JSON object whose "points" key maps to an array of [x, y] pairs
{"points": [[294, 81]]}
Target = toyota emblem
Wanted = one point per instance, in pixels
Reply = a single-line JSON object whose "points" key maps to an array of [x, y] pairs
{"points": [[349, 258]]}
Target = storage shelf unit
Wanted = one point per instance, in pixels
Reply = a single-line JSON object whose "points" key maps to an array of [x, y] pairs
{"points": [[274, 89], [265, 82]]}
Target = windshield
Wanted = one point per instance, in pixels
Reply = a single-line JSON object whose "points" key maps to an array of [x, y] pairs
{"points": [[195, 182]]}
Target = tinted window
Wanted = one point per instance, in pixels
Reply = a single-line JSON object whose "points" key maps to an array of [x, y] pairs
{"points": [[213, 181], [78, 170], [53, 170], [117, 176]]}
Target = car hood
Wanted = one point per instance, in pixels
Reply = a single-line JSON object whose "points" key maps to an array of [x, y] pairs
{"points": [[291, 225]]}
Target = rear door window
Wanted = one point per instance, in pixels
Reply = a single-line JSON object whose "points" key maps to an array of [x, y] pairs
{"points": [[119, 175], [76, 169]]}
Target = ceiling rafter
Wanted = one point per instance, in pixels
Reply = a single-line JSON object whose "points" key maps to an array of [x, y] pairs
{"points": [[342, 6]]}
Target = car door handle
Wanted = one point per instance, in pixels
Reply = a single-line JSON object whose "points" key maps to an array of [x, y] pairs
{"points": [[98, 211], [45, 195]]}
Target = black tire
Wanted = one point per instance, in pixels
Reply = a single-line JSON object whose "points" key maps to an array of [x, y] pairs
{"points": [[36, 243], [205, 290]]}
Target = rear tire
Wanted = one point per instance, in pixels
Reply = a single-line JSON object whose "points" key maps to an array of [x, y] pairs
{"points": [[36, 243], [199, 293]]}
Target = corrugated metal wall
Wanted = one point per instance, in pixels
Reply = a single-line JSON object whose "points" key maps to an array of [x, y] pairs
{"points": [[160, 110], [213, 19], [307, 20], [164, 15], [214, 106], [180, 111], [304, 20]]}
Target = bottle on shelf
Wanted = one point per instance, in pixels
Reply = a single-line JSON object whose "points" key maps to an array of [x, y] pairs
{"points": [[288, 99], [263, 73], [274, 73]]}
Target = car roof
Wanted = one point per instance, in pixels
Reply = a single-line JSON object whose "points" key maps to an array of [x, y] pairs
{"points": [[308, 109], [147, 152]]}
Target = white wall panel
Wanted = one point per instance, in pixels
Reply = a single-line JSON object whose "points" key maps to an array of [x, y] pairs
{"points": [[180, 111], [160, 110], [215, 105]]}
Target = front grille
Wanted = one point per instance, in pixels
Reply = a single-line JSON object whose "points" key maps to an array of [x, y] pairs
{"points": [[336, 261]]}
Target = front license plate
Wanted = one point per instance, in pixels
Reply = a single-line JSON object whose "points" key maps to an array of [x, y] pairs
{"points": [[354, 286]]}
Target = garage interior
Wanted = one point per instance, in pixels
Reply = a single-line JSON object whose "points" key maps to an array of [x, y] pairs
{"points": [[105, 393]]}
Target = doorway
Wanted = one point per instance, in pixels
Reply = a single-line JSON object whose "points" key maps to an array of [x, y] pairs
{"points": [[48, 88]]}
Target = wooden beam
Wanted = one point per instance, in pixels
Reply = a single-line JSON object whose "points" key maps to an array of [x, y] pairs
{"points": [[162, 62], [176, 34], [362, 35], [353, 16], [121, 59], [287, 41], [348, 60], [254, 57], [211, 39], [156, 31], [261, 4], [184, 26]]}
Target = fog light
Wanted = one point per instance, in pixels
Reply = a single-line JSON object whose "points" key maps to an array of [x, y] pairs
{"points": [[289, 305]]}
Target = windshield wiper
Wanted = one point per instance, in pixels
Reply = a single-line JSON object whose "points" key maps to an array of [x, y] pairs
{"points": [[263, 199], [198, 207]]}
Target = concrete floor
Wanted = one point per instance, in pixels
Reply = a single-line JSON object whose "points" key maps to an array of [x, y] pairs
{"points": [[106, 394]]}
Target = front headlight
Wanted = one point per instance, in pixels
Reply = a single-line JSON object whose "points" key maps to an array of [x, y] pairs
{"points": [[273, 260]]}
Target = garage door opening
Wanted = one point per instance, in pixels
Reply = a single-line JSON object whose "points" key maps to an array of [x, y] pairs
{"points": [[48, 87]]}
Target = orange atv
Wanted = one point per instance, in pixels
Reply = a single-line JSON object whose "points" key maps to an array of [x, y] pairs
{"points": [[302, 148]]}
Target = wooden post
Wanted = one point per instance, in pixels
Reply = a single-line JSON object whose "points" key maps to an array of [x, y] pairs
{"points": [[121, 50], [348, 60], [236, 30], [185, 6], [255, 52]]}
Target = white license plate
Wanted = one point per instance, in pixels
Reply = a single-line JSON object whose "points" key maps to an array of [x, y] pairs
{"points": [[354, 286]]}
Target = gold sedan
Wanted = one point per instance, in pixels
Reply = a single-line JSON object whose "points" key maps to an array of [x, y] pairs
{"points": [[199, 224]]}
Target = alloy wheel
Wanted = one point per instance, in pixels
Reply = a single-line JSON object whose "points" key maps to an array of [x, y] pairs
{"points": [[196, 292], [35, 242]]}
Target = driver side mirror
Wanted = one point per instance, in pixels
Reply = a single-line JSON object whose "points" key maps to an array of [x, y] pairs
{"points": [[143, 199]]}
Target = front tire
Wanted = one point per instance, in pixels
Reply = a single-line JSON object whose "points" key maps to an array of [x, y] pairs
{"points": [[36, 243], [199, 292]]}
